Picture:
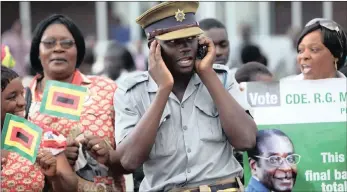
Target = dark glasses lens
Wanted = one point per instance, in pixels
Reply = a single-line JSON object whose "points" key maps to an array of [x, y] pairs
{"points": [[65, 44], [313, 21], [331, 25], [49, 43]]}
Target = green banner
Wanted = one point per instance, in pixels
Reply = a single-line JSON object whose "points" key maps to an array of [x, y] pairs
{"points": [[302, 136]]}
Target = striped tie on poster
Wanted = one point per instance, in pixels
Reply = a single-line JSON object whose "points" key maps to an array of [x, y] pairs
{"points": [[21, 136], [63, 100]]}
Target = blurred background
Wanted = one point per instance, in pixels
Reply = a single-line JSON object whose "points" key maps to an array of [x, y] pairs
{"points": [[115, 43], [272, 26]]}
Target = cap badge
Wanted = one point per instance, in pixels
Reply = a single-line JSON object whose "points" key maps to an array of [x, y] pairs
{"points": [[179, 15]]}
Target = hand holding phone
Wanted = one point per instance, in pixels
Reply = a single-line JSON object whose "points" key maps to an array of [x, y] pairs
{"points": [[157, 67], [206, 54], [202, 51]]}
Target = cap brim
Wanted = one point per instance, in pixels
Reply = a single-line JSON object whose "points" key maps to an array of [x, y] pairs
{"points": [[181, 33]]}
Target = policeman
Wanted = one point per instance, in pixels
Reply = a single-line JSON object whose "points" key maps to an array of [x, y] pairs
{"points": [[180, 119]]}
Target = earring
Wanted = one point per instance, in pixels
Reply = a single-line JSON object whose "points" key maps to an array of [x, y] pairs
{"points": [[336, 64]]}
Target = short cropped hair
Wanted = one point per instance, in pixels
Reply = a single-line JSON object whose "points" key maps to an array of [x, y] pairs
{"points": [[251, 53], [126, 57], [89, 56], [207, 24], [7, 75], [40, 29], [262, 136], [248, 71]]}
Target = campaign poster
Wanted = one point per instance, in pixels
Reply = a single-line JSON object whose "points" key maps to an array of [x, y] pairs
{"points": [[302, 136]]}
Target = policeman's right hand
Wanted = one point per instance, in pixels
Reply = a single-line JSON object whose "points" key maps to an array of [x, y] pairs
{"points": [[157, 67], [71, 151]]}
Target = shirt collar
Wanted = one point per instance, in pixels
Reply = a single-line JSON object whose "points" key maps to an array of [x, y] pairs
{"points": [[78, 79], [256, 184], [153, 87]]}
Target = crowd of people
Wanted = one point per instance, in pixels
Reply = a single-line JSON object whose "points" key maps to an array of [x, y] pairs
{"points": [[180, 125]]}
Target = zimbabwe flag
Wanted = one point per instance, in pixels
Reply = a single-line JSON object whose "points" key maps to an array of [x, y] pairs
{"points": [[63, 100], [21, 136], [7, 59]]}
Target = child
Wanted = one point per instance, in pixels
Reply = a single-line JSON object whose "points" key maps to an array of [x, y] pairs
{"points": [[18, 173]]}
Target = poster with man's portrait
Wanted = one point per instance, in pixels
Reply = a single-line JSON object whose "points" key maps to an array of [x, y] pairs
{"points": [[302, 136]]}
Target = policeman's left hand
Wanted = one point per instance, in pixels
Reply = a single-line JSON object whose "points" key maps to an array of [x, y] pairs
{"points": [[207, 62], [97, 148]]}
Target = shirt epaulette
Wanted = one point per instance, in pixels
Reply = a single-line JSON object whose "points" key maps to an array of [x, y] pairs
{"points": [[132, 79]]}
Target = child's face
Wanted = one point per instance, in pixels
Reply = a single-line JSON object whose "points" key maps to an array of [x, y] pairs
{"points": [[12, 99]]}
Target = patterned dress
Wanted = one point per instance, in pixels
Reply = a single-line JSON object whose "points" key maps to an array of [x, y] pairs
{"points": [[19, 174], [97, 116]]}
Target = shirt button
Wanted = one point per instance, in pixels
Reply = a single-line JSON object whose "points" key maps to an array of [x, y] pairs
{"points": [[188, 150], [185, 127], [182, 105], [188, 170]]}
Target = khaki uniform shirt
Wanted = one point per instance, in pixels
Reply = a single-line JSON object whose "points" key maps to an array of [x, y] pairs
{"points": [[191, 148]]}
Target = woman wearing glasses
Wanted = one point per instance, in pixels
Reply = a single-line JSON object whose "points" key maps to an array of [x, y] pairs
{"points": [[322, 50], [57, 50], [273, 166]]}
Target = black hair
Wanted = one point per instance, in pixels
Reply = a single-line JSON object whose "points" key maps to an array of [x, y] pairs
{"points": [[129, 63], [248, 71], [40, 29], [331, 40], [207, 24], [126, 57], [7, 75], [262, 136], [251, 53], [89, 57]]}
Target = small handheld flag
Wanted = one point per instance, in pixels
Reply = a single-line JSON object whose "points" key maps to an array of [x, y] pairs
{"points": [[53, 141], [21, 136], [63, 100], [7, 59]]}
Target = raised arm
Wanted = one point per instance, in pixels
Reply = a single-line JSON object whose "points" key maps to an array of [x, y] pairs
{"points": [[238, 126], [139, 136]]}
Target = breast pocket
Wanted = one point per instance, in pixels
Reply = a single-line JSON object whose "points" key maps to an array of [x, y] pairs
{"points": [[166, 139], [208, 122]]}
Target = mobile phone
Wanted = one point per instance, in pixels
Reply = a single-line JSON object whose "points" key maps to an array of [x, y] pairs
{"points": [[202, 51]]}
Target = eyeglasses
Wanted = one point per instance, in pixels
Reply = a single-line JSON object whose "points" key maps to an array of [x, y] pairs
{"points": [[277, 161], [65, 44], [330, 25]]}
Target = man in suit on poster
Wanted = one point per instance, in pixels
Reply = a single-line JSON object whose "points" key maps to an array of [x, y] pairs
{"points": [[273, 162]]}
